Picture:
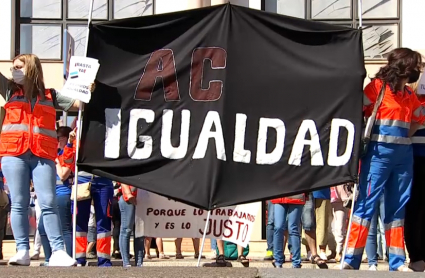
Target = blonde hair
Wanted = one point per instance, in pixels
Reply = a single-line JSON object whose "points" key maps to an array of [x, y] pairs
{"points": [[34, 81]]}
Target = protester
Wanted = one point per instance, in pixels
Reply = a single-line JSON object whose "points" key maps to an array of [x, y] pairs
{"points": [[340, 215], [91, 252], [116, 222], [31, 117], [221, 260], [372, 237], [415, 209], [324, 236], [101, 193], [269, 231], [4, 211], [387, 166], [308, 223], [287, 216], [159, 248], [37, 238], [178, 243], [127, 203], [64, 181]]}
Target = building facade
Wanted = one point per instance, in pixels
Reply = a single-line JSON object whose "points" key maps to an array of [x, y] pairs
{"points": [[37, 26]]}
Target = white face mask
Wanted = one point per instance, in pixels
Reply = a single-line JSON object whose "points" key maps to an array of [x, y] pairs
{"points": [[18, 76]]}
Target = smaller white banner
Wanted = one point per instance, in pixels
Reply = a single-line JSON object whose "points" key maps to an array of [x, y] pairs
{"points": [[157, 216], [421, 85], [82, 72]]}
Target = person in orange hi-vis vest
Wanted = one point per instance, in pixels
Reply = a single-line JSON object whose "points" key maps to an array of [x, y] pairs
{"points": [[28, 149], [387, 166], [415, 209], [102, 191]]}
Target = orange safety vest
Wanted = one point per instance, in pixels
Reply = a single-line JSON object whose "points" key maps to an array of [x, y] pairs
{"points": [[25, 129]]}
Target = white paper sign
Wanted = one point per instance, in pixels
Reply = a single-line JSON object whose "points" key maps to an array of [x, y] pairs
{"points": [[82, 72], [421, 85], [157, 216]]}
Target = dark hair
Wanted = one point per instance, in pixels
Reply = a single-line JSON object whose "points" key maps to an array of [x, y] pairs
{"points": [[401, 63], [63, 131]]}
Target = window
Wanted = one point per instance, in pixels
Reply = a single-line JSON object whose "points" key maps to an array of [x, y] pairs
{"points": [[381, 19], [41, 23]]}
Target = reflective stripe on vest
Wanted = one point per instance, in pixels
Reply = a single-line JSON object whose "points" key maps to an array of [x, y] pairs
{"points": [[14, 127], [44, 131]]}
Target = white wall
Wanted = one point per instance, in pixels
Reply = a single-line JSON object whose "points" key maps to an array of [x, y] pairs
{"points": [[168, 6], [5, 29], [413, 25]]}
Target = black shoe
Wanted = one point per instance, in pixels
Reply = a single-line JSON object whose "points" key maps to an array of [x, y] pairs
{"points": [[117, 256], [219, 262], [243, 260]]}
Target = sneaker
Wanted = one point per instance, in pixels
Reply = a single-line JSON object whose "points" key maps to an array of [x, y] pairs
{"points": [[21, 258], [404, 268], [61, 258], [373, 267], [269, 255], [35, 257], [91, 256], [213, 254], [418, 266], [346, 266], [323, 256]]}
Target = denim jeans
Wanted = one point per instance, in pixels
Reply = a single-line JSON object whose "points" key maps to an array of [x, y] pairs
{"points": [[213, 244], [372, 237], [287, 216], [18, 172], [64, 208], [270, 226], [127, 226]]}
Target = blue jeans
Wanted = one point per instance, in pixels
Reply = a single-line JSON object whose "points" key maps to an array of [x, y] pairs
{"points": [[18, 172], [287, 215], [64, 208], [372, 237], [213, 244], [127, 226], [270, 226]]}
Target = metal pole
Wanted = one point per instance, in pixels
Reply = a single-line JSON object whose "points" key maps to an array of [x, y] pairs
{"points": [[360, 10], [203, 238], [360, 14], [77, 148]]}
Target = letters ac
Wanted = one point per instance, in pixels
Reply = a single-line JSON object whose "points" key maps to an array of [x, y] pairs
{"points": [[162, 65]]}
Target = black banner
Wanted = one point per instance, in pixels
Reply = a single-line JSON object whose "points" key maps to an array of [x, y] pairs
{"points": [[224, 105]]}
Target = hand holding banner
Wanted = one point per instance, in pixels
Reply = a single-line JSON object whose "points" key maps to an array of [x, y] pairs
{"points": [[82, 72]]}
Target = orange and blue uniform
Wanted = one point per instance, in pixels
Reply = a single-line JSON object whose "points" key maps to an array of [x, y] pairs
{"points": [[102, 191], [387, 168]]}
